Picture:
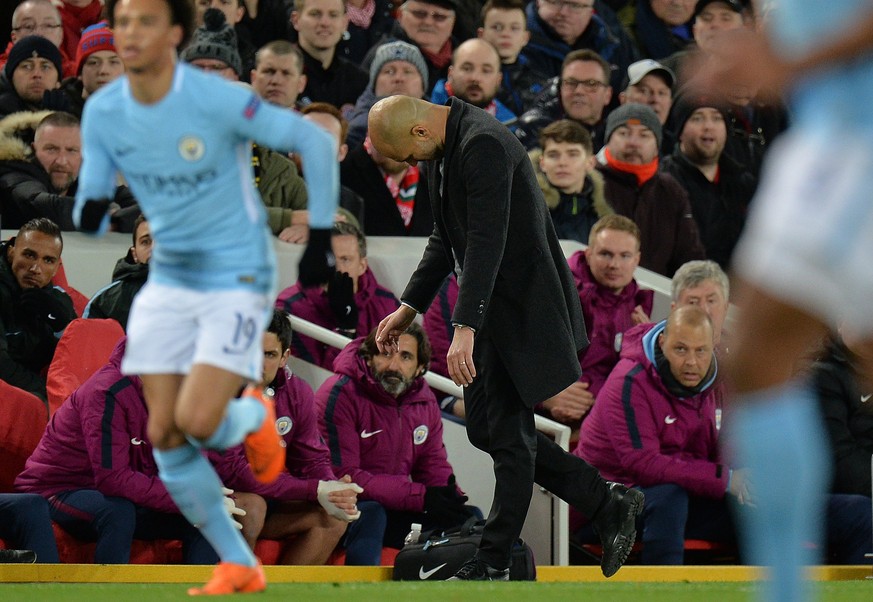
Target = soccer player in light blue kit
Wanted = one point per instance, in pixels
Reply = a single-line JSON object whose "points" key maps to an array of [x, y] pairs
{"points": [[804, 263], [181, 139]]}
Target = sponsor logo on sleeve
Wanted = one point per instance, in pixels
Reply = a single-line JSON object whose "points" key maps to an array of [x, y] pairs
{"points": [[252, 107]]}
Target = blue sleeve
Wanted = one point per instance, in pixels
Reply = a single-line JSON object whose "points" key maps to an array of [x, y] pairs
{"points": [[97, 176], [284, 130]]}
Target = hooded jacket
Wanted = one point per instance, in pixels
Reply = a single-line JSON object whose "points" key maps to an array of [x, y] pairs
{"points": [[392, 447], [25, 187], [640, 434], [374, 302], [307, 460], [26, 345], [97, 440], [26, 190], [114, 301], [607, 317], [573, 215]]}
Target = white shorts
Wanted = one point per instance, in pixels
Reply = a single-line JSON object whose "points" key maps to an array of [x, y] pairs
{"points": [[172, 328], [809, 238]]}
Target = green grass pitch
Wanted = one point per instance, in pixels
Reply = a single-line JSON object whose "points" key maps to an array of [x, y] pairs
{"points": [[841, 591]]}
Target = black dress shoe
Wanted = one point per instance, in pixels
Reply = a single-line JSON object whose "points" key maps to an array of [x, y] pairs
{"points": [[19, 556], [616, 526], [476, 570]]}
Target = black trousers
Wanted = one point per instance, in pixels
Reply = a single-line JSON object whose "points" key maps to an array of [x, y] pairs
{"points": [[500, 424]]}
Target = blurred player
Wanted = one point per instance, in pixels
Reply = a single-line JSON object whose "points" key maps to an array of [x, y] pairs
{"points": [[803, 262], [181, 139]]}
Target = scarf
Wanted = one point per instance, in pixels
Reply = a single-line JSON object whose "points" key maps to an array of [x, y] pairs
{"points": [[402, 192], [441, 59], [362, 17], [644, 173]]}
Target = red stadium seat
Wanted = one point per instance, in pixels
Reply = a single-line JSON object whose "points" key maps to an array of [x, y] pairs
{"points": [[79, 300], [22, 421], [84, 347]]}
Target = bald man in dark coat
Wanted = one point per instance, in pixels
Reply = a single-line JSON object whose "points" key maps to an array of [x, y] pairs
{"points": [[518, 321]]}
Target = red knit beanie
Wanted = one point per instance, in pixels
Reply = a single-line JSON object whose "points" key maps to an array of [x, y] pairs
{"points": [[94, 39]]}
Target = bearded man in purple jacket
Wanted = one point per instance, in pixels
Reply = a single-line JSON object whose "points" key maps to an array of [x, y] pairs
{"points": [[384, 429]]}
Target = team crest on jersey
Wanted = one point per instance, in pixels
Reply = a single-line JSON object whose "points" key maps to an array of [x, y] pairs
{"points": [[283, 425], [192, 148], [419, 435]]}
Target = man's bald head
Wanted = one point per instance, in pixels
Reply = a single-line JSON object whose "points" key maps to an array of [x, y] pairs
{"points": [[688, 315], [407, 129]]}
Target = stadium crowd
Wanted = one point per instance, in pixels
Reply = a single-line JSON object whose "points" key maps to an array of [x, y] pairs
{"points": [[634, 160]]}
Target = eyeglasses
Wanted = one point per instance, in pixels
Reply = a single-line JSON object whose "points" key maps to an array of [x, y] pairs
{"points": [[573, 7], [29, 28], [589, 85], [421, 15]]}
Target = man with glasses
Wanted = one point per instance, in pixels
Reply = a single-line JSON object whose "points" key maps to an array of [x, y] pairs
{"points": [[428, 25], [581, 93], [557, 27], [40, 18]]}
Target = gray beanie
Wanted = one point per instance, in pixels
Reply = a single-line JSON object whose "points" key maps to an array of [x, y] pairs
{"points": [[215, 39], [633, 113], [397, 51]]}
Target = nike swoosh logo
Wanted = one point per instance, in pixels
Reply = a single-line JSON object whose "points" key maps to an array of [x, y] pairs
{"points": [[51, 317], [366, 434], [136, 441], [423, 574], [864, 398], [669, 419]]}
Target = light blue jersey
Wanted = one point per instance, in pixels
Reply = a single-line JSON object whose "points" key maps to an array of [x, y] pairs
{"points": [[836, 96], [187, 159]]}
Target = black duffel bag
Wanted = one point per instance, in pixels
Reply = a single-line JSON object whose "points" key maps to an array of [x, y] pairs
{"points": [[437, 555]]}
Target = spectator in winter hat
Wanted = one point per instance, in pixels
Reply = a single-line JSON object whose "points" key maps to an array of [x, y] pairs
{"points": [[213, 47], [97, 64], [33, 71], [397, 68], [638, 190]]}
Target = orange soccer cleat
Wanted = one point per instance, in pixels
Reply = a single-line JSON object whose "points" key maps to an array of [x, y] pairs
{"points": [[263, 447], [231, 578]]}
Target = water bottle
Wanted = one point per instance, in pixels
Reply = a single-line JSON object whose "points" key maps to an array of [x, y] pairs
{"points": [[413, 535]]}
